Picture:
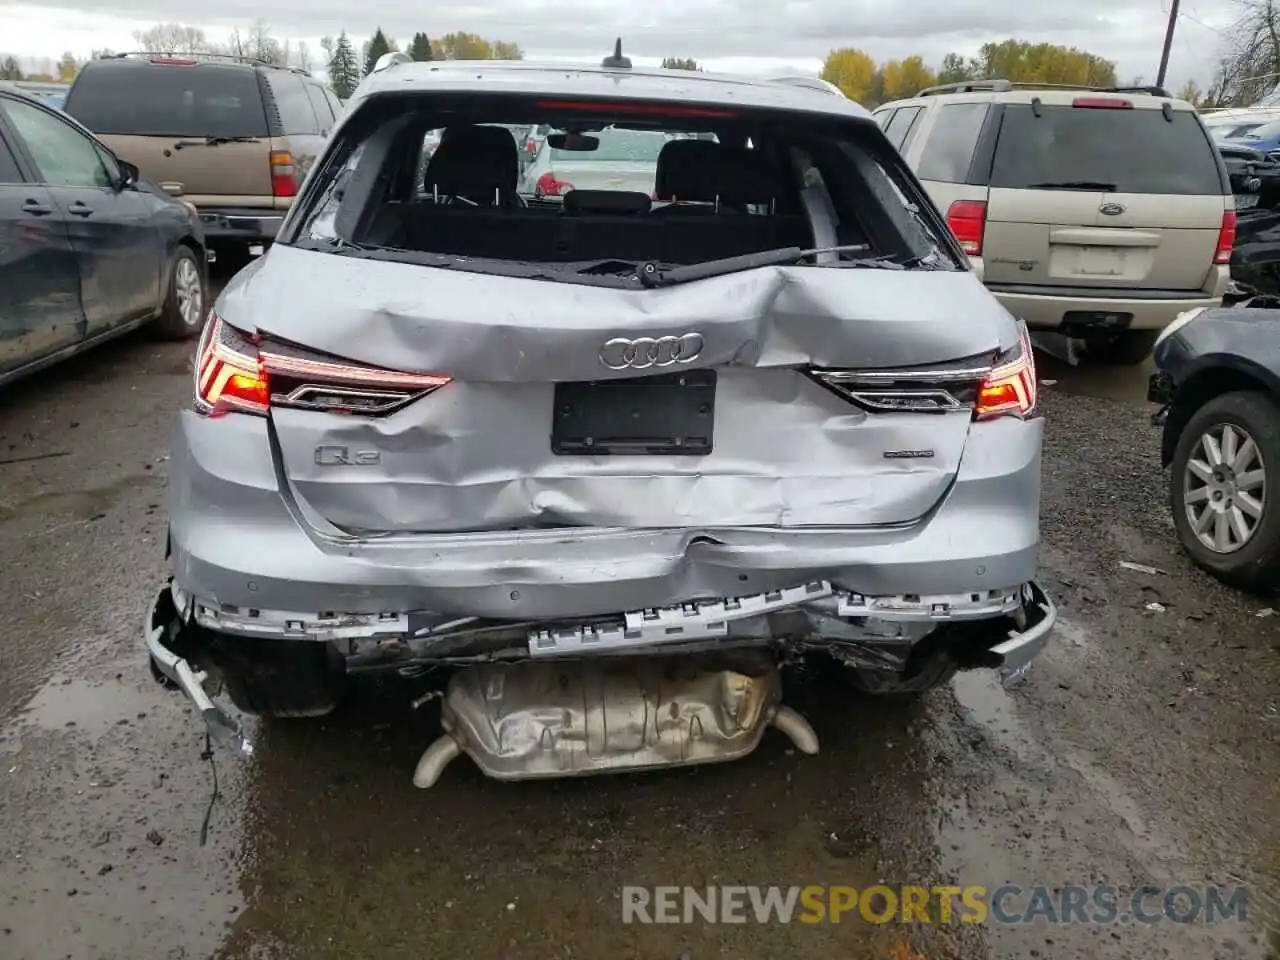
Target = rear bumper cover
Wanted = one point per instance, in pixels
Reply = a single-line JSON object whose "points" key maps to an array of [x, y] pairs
{"points": [[240, 537]]}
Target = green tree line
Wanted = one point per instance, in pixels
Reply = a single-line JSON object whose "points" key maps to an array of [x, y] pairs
{"points": [[347, 65]]}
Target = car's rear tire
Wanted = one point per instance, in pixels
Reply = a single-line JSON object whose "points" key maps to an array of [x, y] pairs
{"points": [[281, 678], [1127, 349], [1243, 549], [183, 314]]}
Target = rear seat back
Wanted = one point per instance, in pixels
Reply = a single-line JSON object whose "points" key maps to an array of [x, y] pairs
{"points": [[708, 188], [718, 182], [476, 162]]}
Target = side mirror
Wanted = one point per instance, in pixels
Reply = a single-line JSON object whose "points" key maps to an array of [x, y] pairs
{"points": [[129, 174]]}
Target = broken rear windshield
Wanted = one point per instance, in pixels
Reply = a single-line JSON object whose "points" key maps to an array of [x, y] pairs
{"points": [[709, 185]]}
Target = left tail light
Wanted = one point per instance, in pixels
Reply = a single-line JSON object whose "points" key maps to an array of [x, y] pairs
{"points": [[968, 221], [237, 373], [284, 177], [1226, 238], [977, 387], [1010, 388]]}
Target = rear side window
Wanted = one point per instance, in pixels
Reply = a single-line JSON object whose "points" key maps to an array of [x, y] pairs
{"points": [[321, 107], [143, 99], [948, 153], [900, 127], [1086, 144], [292, 103]]}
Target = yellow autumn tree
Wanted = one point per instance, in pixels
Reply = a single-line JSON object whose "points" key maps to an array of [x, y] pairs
{"points": [[1025, 62], [472, 46], [906, 78], [853, 71]]}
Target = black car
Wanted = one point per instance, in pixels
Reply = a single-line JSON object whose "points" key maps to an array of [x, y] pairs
{"points": [[1218, 384], [88, 248]]}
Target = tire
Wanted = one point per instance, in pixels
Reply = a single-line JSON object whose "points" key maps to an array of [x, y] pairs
{"points": [[1251, 562], [186, 299], [1128, 349], [281, 678]]}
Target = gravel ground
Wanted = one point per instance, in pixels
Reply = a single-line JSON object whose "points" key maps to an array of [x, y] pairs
{"points": [[1142, 749]]}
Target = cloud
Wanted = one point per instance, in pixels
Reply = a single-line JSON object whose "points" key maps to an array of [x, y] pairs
{"points": [[748, 33]]}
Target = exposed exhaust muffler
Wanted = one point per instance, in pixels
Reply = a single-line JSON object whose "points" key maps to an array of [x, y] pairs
{"points": [[538, 719]]}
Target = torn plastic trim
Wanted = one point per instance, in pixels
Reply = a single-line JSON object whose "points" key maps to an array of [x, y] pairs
{"points": [[1025, 643], [163, 625], [707, 618]]}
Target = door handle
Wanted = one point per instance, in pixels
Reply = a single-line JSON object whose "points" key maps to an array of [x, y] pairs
{"points": [[37, 208], [78, 209]]}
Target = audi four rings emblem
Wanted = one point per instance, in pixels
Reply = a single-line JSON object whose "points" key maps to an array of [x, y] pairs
{"points": [[643, 352]]}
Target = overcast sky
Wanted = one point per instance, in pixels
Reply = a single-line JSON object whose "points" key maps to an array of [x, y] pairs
{"points": [[728, 35]]}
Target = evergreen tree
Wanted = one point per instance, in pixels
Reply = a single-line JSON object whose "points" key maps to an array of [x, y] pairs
{"points": [[344, 67], [378, 46], [9, 70], [420, 49]]}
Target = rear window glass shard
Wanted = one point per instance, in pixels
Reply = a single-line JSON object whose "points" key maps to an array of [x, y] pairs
{"points": [[157, 100], [1137, 150], [641, 187]]}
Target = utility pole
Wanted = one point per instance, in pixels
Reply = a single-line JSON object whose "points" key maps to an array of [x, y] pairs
{"points": [[1168, 42]]}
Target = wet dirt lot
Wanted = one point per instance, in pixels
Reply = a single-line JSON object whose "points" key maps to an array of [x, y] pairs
{"points": [[1143, 748]]}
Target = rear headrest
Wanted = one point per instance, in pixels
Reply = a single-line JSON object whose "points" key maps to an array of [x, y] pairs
{"points": [[473, 162], [702, 171]]}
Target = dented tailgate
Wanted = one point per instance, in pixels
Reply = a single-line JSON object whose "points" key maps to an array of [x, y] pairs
{"points": [[481, 453]]}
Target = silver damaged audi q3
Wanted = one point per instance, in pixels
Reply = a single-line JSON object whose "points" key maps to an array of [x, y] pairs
{"points": [[601, 453]]}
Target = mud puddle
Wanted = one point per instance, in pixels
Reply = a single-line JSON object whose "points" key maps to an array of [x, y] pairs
{"points": [[1072, 847], [102, 794]]}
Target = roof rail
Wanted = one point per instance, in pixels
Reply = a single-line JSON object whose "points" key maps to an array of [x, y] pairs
{"points": [[392, 58], [967, 86], [198, 55], [1000, 85]]}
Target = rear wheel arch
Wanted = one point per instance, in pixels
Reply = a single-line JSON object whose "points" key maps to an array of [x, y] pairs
{"points": [[1202, 387]]}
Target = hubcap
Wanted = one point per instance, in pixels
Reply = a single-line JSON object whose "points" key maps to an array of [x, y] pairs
{"points": [[1224, 489], [186, 283]]}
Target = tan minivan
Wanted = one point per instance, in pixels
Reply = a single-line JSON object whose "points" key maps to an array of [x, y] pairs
{"points": [[234, 137], [1097, 214]]}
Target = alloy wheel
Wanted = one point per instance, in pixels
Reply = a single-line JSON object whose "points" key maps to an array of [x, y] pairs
{"points": [[1224, 488]]}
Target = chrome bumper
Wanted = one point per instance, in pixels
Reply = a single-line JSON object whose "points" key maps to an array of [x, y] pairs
{"points": [[173, 670]]}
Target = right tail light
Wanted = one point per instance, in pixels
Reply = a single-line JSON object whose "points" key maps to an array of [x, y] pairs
{"points": [[968, 221], [237, 373]]}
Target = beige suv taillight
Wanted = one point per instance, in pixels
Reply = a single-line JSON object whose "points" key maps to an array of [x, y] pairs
{"points": [[968, 221]]}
